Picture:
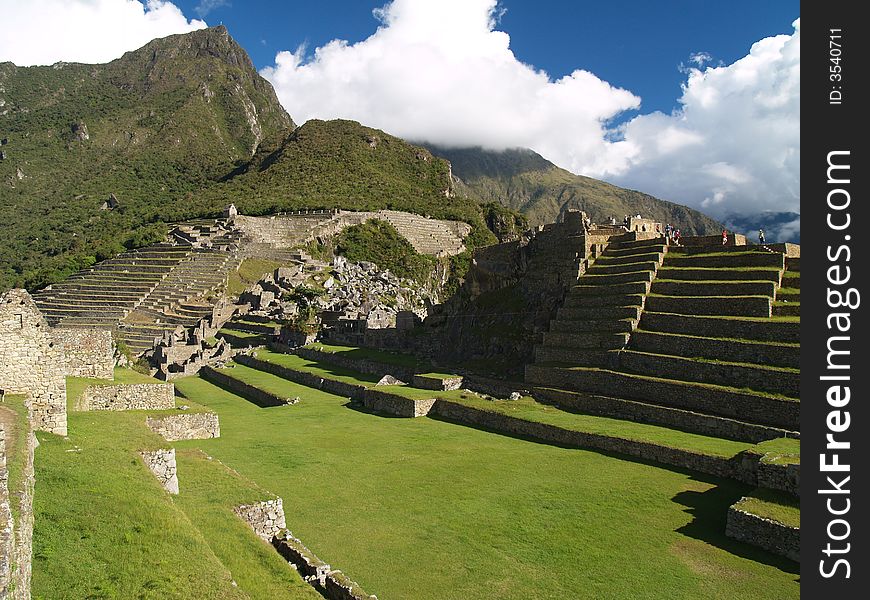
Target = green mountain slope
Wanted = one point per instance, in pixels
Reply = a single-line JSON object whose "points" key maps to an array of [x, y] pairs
{"points": [[325, 164], [148, 127], [525, 181]]}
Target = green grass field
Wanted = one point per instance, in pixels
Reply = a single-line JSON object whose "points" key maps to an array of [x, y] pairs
{"points": [[409, 508], [104, 528], [419, 508]]}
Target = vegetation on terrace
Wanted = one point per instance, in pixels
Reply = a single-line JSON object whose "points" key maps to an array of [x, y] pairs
{"points": [[363, 491], [104, 528], [773, 505]]}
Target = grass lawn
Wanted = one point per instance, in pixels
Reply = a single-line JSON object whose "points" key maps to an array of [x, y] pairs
{"points": [[419, 508], [104, 528], [772, 505], [13, 416]]}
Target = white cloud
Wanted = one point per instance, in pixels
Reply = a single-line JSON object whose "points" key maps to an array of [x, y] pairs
{"points": [[42, 32], [745, 121], [439, 71], [206, 6]]}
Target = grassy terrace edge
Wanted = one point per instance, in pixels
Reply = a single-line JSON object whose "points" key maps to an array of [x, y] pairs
{"points": [[525, 409]]}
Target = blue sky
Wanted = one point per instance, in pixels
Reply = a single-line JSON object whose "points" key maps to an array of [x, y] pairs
{"points": [[638, 45]]}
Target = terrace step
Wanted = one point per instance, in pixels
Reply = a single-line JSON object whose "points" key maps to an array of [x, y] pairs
{"points": [[599, 268], [631, 277], [599, 313], [757, 329], [591, 340], [772, 380], [776, 354], [715, 288], [623, 259], [726, 260], [744, 306], [709, 399], [577, 301], [587, 326], [718, 274], [645, 412], [792, 309], [620, 289]]}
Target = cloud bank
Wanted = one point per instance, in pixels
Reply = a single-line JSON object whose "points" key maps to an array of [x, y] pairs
{"points": [[441, 72], [733, 147], [43, 32]]}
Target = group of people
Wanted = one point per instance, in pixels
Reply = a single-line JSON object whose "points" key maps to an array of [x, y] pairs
{"points": [[672, 234]]}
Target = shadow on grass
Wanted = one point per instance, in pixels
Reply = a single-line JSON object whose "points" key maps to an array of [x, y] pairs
{"points": [[257, 400], [709, 510]]}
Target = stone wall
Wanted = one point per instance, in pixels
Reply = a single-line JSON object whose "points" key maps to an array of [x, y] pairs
{"points": [[86, 352], [130, 396], [261, 398], [189, 426], [31, 362], [684, 420], [362, 365], [753, 377], [494, 421], [430, 382], [746, 306], [764, 533], [16, 538], [265, 518], [162, 464], [331, 584], [395, 404], [772, 331], [763, 410]]}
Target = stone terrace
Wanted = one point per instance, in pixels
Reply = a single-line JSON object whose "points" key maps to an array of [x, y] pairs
{"points": [[428, 236], [147, 292], [106, 293], [181, 298], [697, 340]]}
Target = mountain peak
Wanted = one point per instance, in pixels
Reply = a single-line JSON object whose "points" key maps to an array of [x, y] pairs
{"points": [[211, 42]]}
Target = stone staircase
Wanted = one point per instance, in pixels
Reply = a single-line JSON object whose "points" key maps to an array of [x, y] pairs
{"points": [[106, 293], [604, 307], [701, 350]]}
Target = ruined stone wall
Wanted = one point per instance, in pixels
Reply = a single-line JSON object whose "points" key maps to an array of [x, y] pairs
{"points": [[30, 361], [190, 426], [763, 533], [269, 524], [162, 464], [86, 352], [133, 396]]}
